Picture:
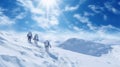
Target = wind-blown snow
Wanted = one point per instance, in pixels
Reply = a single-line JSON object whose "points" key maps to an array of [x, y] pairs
{"points": [[15, 51]]}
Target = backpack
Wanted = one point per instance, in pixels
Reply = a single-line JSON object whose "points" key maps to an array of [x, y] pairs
{"points": [[36, 37], [29, 34], [47, 43]]}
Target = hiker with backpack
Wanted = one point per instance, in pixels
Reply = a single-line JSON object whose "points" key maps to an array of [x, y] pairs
{"points": [[29, 36], [36, 39], [47, 45]]}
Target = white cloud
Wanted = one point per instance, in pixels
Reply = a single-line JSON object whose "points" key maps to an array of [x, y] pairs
{"points": [[115, 10], [81, 18], [20, 16], [85, 20], [30, 5], [73, 8], [118, 3], [46, 23], [107, 28], [105, 17], [111, 8], [1, 11], [56, 12], [42, 22], [54, 21], [106, 36], [76, 28], [88, 14], [96, 9], [5, 20], [73, 27], [43, 18]]}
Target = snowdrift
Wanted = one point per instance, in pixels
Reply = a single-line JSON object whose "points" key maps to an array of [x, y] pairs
{"points": [[86, 47]]}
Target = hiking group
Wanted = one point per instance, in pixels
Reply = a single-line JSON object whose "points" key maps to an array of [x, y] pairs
{"points": [[47, 44]]}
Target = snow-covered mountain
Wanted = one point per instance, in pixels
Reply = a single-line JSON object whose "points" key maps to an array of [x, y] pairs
{"points": [[86, 47], [15, 51]]}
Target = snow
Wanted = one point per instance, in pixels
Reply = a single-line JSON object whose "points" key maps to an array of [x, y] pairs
{"points": [[15, 51], [86, 47]]}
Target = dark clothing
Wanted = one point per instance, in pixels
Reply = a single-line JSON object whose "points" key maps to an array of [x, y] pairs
{"points": [[29, 38], [47, 44], [36, 39], [29, 35]]}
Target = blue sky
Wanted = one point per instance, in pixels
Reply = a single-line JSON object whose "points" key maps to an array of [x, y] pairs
{"points": [[62, 15]]}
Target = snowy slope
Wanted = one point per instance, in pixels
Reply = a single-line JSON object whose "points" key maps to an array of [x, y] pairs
{"points": [[86, 47], [15, 51]]}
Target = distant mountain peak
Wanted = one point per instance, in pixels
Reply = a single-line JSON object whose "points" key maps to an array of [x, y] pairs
{"points": [[85, 47]]}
